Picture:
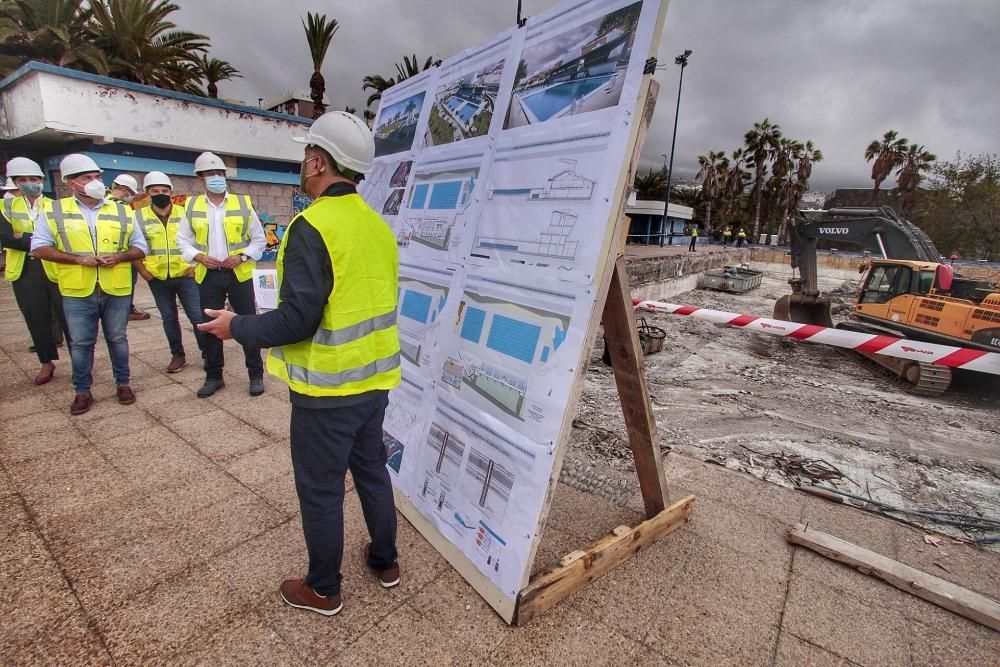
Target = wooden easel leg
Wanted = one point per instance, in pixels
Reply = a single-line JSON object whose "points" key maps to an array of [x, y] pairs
{"points": [[622, 338]]}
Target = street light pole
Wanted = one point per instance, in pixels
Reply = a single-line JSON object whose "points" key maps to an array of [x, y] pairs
{"points": [[681, 60]]}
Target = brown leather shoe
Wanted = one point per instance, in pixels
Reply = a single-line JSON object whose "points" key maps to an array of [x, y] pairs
{"points": [[297, 593], [81, 403], [136, 314], [177, 362], [125, 395], [388, 578]]}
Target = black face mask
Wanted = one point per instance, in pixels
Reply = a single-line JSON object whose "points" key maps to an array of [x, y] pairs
{"points": [[160, 201]]}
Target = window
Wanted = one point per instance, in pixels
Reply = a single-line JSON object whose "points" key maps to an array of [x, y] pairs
{"points": [[902, 283], [879, 286], [925, 281]]}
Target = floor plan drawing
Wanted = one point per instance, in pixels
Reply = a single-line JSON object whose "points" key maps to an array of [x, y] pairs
{"points": [[567, 184], [422, 302]]}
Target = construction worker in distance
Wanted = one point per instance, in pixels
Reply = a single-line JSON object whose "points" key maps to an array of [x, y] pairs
{"points": [[35, 282], [124, 189], [694, 238], [170, 278], [222, 234], [93, 241], [334, 342], [741, 237], [727, 235]]}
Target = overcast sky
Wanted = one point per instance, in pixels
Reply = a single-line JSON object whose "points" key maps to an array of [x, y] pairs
{"points": [[840, 73]]}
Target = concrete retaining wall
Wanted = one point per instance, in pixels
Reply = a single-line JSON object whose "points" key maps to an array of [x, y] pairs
{"points": [[661, 276], [824, 260]]}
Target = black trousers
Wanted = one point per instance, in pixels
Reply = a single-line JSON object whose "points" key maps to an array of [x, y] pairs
{"points": [[214, 290], [694, 240], [326, 442], [41, 305]]}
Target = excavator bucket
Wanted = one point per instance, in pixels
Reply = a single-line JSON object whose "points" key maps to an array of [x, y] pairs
{"points": [[793, 308]]}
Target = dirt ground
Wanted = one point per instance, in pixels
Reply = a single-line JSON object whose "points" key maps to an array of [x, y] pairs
{"points": [[766, 406]]}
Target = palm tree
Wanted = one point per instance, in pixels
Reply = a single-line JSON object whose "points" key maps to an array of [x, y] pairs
{"points": [[887, 154], [319, 34], [735, 181], [712, 165], [369, 117], [761, 144], [213, 70], [51, 31], [810, 156], [651, 184], [409, 68], [379, 84], [916, 160], [144, 46]]}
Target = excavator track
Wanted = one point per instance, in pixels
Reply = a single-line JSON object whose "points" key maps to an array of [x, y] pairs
{"points": [[914, 377]]}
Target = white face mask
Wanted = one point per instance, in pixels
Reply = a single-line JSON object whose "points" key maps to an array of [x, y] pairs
{"points": [[95, 189]]}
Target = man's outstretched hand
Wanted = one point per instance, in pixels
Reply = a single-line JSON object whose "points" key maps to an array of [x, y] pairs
{"points": [[218, 326]]}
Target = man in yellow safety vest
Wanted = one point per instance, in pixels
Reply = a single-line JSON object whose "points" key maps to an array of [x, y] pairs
{"points": [[694, 238], [93, 241], [334, 342], [222, 235], [34, 281], [170, 278]]}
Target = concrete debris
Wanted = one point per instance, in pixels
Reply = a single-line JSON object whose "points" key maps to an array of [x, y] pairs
{"points": [[760, 404]]}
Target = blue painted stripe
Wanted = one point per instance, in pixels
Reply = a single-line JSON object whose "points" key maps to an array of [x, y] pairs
{"points": [[34, 66]]}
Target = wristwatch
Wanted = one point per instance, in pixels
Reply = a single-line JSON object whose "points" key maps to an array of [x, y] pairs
{"points": [[244, 257]]}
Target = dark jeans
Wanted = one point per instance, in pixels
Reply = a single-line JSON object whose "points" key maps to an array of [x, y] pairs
{"points": [[41, 305], [166, 293], [82, 316], [214, 289], [326, 443], [694, 241]]}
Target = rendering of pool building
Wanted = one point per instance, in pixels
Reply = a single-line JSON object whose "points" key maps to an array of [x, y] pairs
{"points": [[578, 71], [464, 108]]}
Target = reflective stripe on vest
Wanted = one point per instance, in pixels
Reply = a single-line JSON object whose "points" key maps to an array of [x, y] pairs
{"points": [[163, 259], [356, 346], [322, 379], [18, 213], [79, 281], [355, 331], [238, 207]]}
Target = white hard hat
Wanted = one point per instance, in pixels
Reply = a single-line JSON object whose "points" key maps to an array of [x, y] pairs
{"points": [[22, 166], [208, 162], [77, 163], [9, 185], [127, 181], [156, 178], [345, 137]]}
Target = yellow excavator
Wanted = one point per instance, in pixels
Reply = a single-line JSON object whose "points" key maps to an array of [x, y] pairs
{"points": [[907, 291]]}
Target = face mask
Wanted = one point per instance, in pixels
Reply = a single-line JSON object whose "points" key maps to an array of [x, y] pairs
{"points": [[303, 176], [31, 189], [128, 198], [216, 184], [95, 189], [160, 200]]}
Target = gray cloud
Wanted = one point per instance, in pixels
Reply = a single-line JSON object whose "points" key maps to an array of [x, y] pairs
{"points": [[839, 73]]}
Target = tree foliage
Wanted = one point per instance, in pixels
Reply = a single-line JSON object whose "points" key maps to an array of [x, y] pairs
{"points": [[960, 206], [132, 40], [319, 34], [378, 84]]}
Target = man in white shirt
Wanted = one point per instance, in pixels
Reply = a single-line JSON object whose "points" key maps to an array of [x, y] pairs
{"points": [[222, 236]]}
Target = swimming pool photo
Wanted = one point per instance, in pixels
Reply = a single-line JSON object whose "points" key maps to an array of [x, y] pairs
{"points": [[549, 102]]}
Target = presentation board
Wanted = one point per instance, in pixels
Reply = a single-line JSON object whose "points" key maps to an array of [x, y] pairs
{"points": [[499, 171]]}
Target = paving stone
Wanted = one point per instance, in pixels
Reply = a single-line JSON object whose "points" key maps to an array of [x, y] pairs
{"points": [[961, 645], [18, 448], [152, 458], [866, 530], [842, 624], [254, 569], [124, 420], [587, 516], [68, 640], [219, 527], [753, 534], [218, 434], [565, 636], [256, 467], [245, 640], [793, 652], [962, 564]]}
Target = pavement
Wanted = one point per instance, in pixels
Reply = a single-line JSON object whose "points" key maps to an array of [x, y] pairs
{"points": [[158, 533]]}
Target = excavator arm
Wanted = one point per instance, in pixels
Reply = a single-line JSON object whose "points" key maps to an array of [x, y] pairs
{"points": [[878, 230]]}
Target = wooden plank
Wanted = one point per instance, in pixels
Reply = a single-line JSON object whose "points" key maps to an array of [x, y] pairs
{"points": [[615, 235], [627, 360], [962, 601], [501, 602], [577, 570]]}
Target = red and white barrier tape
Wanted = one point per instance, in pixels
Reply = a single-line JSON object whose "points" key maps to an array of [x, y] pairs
{"points": [[941, 355]]}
